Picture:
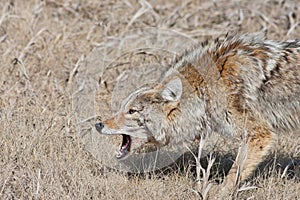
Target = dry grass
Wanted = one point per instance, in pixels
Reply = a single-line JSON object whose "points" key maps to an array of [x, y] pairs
{"points": [[43, 45]]}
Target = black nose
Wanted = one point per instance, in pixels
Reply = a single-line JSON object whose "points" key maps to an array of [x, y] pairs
{"points": [[99, 126]]}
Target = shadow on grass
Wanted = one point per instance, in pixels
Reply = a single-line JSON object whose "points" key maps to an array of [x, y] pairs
{"points": [[281, 165]]}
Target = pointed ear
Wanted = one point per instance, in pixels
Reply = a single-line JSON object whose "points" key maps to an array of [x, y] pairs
{"points": [[173, 90]]}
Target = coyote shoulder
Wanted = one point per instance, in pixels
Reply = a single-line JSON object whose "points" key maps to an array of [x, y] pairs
{"points": [[241, 83]]}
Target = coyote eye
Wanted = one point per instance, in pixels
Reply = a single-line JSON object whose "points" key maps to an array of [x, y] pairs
{"points": [[132, 111]]}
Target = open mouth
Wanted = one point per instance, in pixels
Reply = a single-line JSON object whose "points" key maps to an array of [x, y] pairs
{"points": [[125, 146]]}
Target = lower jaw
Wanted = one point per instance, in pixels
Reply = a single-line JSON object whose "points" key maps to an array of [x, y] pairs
{"points": [[122, 154]]}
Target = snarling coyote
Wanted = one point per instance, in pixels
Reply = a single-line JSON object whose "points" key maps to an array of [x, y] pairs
{"points": [[243, 83]]}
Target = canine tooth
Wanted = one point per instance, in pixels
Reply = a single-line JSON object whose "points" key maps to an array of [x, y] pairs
{"points": [[119, 154]]}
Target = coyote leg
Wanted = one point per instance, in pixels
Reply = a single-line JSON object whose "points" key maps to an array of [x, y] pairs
{"points": [[258, 143]]}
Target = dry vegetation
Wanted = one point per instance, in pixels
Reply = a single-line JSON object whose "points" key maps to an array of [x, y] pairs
{"points": [[43, 44]]}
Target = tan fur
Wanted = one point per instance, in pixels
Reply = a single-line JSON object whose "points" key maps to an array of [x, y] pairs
{"points": [[241, 84], [112, 123]]}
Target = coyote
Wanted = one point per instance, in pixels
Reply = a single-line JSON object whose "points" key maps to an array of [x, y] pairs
{"points": [[242, 83]]}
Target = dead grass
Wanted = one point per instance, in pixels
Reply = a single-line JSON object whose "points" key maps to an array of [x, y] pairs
{"points": [[42, 47]]}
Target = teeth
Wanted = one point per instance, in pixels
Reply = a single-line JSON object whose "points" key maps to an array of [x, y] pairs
{"points": [[121, 154]]}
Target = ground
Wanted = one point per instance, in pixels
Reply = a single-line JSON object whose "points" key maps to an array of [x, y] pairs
{"points": [[46, 45]]}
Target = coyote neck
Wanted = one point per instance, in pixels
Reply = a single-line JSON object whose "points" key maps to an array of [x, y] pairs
{"points": [[203, 105], [189, 125]]}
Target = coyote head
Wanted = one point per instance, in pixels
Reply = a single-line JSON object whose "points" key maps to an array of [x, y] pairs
{"points": [[143, 115]]}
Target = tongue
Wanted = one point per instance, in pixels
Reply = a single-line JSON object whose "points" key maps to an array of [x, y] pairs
{"points": [[126, 142]]}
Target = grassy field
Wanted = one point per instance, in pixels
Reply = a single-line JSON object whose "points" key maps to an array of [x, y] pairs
{"points": [[45, 46]]}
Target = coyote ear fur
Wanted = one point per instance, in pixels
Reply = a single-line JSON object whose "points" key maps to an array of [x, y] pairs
{"points": [[172, 90]]}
